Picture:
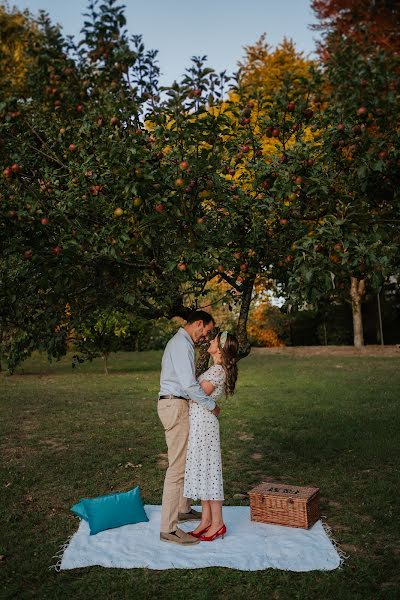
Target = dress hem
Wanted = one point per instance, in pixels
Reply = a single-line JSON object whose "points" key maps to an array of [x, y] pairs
{"points": [[194, 497]]}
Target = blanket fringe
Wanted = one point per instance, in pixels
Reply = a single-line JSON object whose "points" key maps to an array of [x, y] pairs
{"points": [[328, 530], [59, 554]]}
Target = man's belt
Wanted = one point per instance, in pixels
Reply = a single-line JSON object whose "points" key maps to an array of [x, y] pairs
{"points": [[170, 396]]}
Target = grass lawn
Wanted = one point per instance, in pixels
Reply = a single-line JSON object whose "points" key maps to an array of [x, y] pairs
{"points": [[327, 421]]}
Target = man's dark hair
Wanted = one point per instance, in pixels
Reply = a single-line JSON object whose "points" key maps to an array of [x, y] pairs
{"points": [[200, 315]]}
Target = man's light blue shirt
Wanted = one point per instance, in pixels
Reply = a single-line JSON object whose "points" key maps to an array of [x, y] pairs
{"points": [[178, 372]]}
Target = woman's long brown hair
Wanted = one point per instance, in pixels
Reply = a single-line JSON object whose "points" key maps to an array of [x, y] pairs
{"points": [[229, 362]]}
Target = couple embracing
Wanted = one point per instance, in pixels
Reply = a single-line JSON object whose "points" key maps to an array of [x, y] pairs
{"points": [[188, 410]]}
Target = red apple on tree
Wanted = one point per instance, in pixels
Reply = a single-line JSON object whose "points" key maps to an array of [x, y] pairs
{"points": [[56, 250], [182, 266], [183, 165], [159, 207], [291, 106], [44, 221], [266, 184]]}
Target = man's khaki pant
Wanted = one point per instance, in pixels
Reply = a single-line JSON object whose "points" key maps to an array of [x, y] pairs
{"points": [[174, 415]]}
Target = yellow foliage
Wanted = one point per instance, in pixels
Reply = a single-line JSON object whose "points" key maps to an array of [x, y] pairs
{"points": [[266, 69], [260, 328], [265, 337], [17, 31]]}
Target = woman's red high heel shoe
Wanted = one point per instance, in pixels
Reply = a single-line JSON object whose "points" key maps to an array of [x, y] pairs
{"points": [[220, 533], [199, 533]]}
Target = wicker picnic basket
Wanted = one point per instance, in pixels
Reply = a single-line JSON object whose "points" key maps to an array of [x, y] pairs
{"points": [[281, 504]]}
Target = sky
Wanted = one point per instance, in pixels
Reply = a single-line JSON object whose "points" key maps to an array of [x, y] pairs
{"points": [[180, 29]]}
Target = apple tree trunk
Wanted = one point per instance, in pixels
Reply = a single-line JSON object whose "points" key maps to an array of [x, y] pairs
{"points": [[105, 358], [241, 330], [244, 344], [357, 292]]}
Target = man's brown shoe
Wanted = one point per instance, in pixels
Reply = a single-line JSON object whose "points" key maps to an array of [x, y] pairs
{"points": [[192, 515], [179, 537]]}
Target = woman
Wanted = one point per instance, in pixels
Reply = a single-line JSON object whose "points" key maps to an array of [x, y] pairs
{"points": [[203, 472]]}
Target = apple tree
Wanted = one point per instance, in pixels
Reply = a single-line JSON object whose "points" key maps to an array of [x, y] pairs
{"points": [[348, 202]]}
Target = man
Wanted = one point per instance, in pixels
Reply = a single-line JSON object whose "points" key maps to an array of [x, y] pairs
{"points": [[178, 384]]}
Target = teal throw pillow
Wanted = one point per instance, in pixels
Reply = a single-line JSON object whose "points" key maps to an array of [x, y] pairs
{"points": [[114, 510], [79, 510]]}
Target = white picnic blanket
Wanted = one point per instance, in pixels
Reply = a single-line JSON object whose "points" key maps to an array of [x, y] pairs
{"points": [[248, 546]]}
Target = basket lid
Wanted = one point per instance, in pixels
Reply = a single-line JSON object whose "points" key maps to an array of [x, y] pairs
{"points": [[285, 491]]}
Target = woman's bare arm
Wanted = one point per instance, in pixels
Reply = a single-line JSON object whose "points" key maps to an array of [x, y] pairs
{"points": [[207, 386]]}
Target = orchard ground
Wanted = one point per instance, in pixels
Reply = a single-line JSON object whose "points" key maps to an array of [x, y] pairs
{"points": [[299, 416]]}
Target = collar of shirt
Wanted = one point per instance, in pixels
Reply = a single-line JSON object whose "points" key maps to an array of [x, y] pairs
{"points": [[183, 331]]}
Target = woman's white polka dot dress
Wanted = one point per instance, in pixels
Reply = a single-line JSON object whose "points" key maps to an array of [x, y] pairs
{"points": [[203, 472]]}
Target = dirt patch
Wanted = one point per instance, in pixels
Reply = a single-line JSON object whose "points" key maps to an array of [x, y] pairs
{"points": [[372, 350], [17, 453], [244, 437], [162, 461], [54, 445], [341, 528], [334, 504], [366, 519], [351, 548], [257, 456]]}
